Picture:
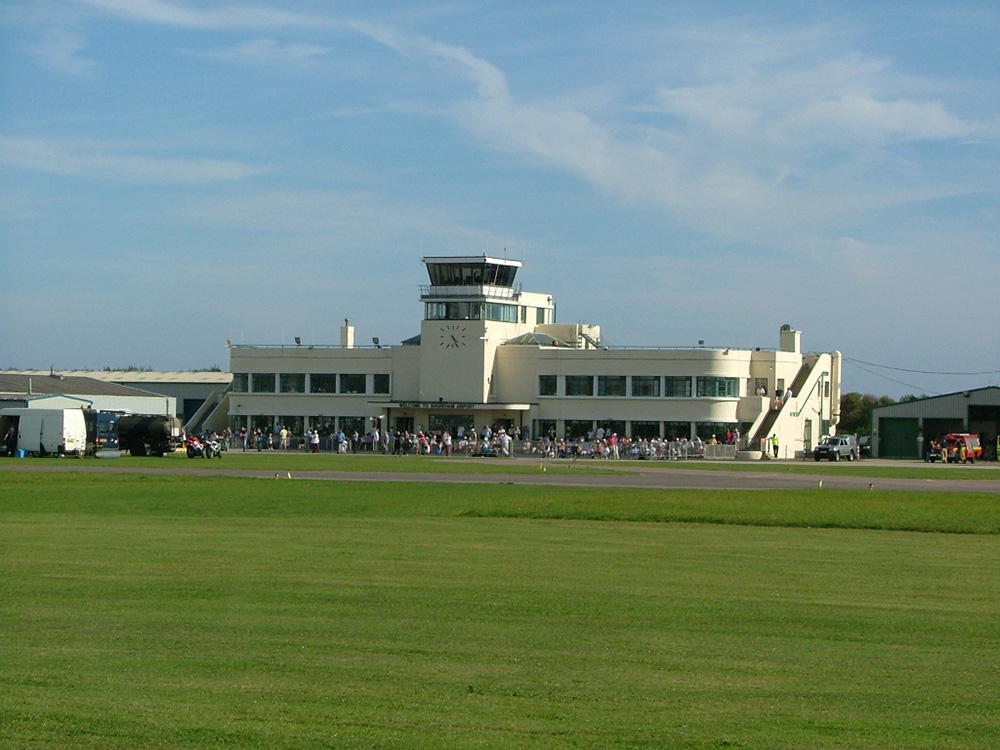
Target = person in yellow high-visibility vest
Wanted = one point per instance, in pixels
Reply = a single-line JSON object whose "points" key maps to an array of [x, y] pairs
{"points": [[774, 444]]}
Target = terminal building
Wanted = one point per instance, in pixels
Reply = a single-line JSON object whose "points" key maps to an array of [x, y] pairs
{"points": [[489, 353]]}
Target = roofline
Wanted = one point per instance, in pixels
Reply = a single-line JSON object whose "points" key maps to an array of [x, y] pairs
{"points": [[472, 259]]}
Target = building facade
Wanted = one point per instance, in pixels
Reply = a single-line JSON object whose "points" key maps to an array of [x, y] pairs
{"points": [[489, 353]]}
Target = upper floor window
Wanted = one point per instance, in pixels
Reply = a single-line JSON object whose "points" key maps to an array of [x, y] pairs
{"points": [[324, 382], [675, 387], [352, 383], [579, 385], [292, 382], [645, 385], [262, 382], [718, 387], [380, 382], [548, 385], [241, 382], [611, 385]]}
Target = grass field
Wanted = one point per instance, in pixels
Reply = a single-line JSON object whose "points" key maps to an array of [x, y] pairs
{"points": [[142, 611], [366, 462]]}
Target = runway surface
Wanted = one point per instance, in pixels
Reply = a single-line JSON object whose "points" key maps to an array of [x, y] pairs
{"points": [[630, 474]]}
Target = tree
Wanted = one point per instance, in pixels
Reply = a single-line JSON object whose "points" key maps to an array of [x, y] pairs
{"points": [[856, 412]]}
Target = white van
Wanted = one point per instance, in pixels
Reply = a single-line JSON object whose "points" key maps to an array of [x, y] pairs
{"points": [[43, 432]]}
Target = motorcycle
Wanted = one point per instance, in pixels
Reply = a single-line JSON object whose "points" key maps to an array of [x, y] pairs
{"points": [[203, 447]]}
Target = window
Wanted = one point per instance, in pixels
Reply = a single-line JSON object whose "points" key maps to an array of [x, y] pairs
{"points": [[676, 430], [579, 385], [718, 387], [545, 428], [548, 385], [322, 383], [292, 382], [645, 385], [380, 382], [294, 425], [352, 383], [262, 382], [241, 382], [645, 430], [578, 428], [676, 387], [500, 311], [705, 430], [524, 314], [611, 385], [352, 424], [759, 386], [539, 316]]}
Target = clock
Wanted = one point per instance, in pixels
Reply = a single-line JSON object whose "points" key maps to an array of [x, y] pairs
{"points": [[452, 336]]}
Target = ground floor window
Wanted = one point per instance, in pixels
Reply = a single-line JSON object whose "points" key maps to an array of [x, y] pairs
{"points": [[705, 430], [450, 422], [646, 430], [294, 425], [676, 430], [578, 428], [544, 428], [352, 424]]}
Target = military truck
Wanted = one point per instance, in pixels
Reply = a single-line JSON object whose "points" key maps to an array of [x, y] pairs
{"points": [[148, 435]]}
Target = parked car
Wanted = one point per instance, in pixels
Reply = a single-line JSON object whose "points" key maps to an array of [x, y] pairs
{"points": [[836, 447], [865, 446]]}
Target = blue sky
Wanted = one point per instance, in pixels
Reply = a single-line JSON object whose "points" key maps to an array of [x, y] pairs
{"points": [[176, 174]]}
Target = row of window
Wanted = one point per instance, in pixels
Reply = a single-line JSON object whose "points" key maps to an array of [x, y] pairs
{"points": [[642, 386], [299, 382], [498, 311]]}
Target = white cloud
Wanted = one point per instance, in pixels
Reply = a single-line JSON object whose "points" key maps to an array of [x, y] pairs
{"points": [[108, 163], [257, 51], [224, 17], [60, 50]]}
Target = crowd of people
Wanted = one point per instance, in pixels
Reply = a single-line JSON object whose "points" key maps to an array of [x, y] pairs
{"points": [[489, 440]]}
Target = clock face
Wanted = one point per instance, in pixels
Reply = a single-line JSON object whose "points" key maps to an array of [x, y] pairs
{"points": [[452, 336]]}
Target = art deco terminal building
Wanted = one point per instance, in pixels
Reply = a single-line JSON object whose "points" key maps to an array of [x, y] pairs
{"points": [[489, 353]]}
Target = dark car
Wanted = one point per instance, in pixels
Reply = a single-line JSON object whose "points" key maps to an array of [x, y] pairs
{"points": [[836, 447]]}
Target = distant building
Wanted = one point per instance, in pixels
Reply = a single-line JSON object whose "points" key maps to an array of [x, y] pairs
{"points": [[489, 353], [54, 390], [905, 429]]}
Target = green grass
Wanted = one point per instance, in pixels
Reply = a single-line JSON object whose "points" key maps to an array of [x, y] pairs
{"points": [[179, 612], [360, 462]]}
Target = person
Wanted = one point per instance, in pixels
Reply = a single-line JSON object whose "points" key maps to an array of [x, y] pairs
{"points": [[774, 444], [788, 395], [314, 441], [284, 438], [10, 441], [446, 443]]}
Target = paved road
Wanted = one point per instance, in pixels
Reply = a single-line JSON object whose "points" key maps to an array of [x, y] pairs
{"points": [[621, 474]]}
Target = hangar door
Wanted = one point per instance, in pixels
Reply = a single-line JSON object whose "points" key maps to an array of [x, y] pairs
{"points": [[897, 437]]}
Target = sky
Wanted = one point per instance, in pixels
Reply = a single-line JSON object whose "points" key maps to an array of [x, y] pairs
{"points": [[177, 174]]}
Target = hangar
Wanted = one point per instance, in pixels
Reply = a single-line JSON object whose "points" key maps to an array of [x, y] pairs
{"points": [[901, 430]]}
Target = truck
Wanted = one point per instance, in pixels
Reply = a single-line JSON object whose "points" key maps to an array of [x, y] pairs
{"points": [[148, 435], [953, 444], [43, 432]]}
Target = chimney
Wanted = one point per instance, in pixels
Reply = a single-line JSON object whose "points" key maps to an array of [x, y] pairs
{"points": [[347, 334]]}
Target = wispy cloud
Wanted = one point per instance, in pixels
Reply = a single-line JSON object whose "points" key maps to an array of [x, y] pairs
{"points": [[224, 17], [60, 49], [266, 51], [106, 162]]}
